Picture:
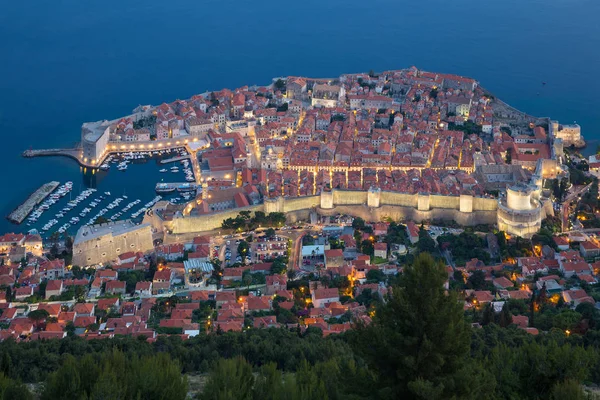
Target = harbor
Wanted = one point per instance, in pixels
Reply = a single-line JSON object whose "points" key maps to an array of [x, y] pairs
{"points": [[118, 189], [19, 215]]}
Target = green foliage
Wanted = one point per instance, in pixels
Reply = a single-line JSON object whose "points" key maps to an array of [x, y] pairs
{"points": [[144, 122], [468, 128], [465, 247], [418, 341], [358, 223], [279, 84], [13, 390], [230, 379], [396, 234], [426, 243], [279, 265], [131, 278], [114, 375], [567, 390], [244, 221]]}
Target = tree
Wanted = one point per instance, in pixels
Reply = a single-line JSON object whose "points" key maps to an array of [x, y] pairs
{"points": [[418, 342], [279, 84], [567, 390], [243, 248], [270, 233], [425, 243], [230, 379], [358, 223], [508, 157], [375, 275], [247, 278], [38, 315], [477, 280]]}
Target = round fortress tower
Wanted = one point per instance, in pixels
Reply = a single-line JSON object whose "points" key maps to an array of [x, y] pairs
{"points": [[520, 212]]}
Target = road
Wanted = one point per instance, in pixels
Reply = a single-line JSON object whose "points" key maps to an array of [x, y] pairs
{"points": [[565, 208]]}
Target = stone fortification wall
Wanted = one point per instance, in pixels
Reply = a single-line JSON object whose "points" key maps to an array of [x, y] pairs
{"points": [[300, 203], [108, 247], [465, 209], [209, 222], [401, 213], [349, 196]]}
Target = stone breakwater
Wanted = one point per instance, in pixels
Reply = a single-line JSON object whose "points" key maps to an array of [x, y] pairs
{"points": [[21, 212]]}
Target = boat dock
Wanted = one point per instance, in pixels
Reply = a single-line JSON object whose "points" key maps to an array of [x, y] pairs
{"points": [[166, 187], [174, 159], [18, 215]]}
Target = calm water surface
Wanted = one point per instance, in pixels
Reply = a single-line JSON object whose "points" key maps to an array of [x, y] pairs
{"points": [[65, 62]]}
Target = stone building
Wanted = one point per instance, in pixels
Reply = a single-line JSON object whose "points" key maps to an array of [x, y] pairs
{"points": [[519, 212], [103, 243]]}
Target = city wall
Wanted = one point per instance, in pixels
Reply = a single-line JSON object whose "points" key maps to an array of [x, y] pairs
{"points": [[373, 205]]}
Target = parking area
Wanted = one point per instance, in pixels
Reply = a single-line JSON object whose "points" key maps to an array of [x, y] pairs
{"points": [[263, 248]]}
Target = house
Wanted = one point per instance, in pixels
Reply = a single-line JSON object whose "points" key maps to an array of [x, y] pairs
{"points": [[54, 269], [171, 252], [413, 232], [164, 275], [84, 309], [128, 308], [483, 296], [84, 321], [521, 321], [254, 303], [275, 283], [23, 292], [143, 289], [578, 268], [54, 288], [576, 297], [8, 314], [115, 287], [321, 297], [224, 297], [562, 242], [52, 309], [532, 265], [125, 258], [106, 304], [107, 274], [502, 283], [334, 258], [268, 321], [589, 249], [380, 250]]}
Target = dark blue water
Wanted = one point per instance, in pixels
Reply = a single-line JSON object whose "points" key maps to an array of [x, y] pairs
{"points": [[65, 62]]}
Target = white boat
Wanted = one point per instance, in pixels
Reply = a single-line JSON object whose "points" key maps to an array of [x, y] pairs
{"points": [[163, 170]]}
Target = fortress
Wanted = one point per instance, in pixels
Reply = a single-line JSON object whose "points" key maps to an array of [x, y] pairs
{"points": [[371, 205], [103, 243]]}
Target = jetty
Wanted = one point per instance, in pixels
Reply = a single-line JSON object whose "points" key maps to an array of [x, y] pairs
{"points": [[174, 159], [21, 212], [166, 187]]}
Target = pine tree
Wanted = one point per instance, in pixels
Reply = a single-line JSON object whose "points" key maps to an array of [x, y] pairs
{"points": [[418, 343], [505, 318], [230, 379]]}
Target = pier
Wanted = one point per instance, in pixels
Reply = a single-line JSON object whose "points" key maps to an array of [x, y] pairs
{"points": [[166, 187], [71, 153], [18, 215], [174, 159]]}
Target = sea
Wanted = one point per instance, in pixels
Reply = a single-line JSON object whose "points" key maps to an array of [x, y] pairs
{"points": [[65, 62]]}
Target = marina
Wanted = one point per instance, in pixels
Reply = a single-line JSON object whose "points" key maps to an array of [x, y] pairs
{"points": [[18, 215], [116, 190]]}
